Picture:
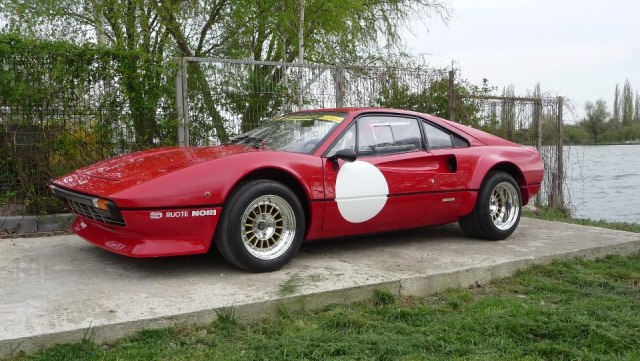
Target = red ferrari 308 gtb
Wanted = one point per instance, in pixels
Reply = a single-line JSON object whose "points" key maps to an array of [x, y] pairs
{"points": [[303, 176]]}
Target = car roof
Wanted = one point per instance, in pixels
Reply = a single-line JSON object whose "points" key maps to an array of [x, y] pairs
{"points": [[358, 110]]}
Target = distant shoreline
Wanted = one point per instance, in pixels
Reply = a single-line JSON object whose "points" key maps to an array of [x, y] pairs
{"points": [[603, 144]]}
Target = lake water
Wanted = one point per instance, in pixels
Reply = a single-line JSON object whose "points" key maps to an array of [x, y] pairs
{"points": [[604, 182]]}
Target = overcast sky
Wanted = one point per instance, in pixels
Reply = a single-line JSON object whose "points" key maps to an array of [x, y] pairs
{"points": [[578, 49]]}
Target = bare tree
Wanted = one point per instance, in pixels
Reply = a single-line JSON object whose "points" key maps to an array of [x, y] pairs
{"points": [[508, 112], [627, 104], [636, 113], [595, 119], [616, 104]]}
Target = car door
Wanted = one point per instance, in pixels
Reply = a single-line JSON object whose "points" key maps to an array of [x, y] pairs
{"points": [[390, 185], [452, 197]]}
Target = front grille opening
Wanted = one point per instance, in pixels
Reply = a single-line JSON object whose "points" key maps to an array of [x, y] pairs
{"points": [[81, 205], [89, 211]]}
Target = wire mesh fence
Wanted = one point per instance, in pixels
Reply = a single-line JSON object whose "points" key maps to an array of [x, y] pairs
{"points": [[52, 122], [60, 109], [221, 98], [535, 122]]}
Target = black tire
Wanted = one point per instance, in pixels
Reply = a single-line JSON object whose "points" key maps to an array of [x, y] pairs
{"points": [[480, 223], [246, 243]]}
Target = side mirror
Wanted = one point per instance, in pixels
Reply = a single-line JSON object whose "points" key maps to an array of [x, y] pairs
{"points": [[348, 155]]}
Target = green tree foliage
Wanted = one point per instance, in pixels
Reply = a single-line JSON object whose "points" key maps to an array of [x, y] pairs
{"points": [[622, 126], [434, 98], [627, 111], [62, 108], [125, 27], [268, 30], [335, 31], [575, 133], [636, 112], [616, 104], [595, 119]]}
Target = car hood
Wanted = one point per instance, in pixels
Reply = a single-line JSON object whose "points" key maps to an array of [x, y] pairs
{"points": [[154, 162], [122, 172]]}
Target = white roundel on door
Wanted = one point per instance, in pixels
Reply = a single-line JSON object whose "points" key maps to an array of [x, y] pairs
{"points": [[361, 191]]}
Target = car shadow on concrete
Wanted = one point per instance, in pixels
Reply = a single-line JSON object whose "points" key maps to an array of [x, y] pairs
{"points": [[214, 264]]}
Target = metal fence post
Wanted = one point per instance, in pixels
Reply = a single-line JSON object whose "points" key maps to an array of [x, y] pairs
{"points": [[182, 105], [179, 106], [537, 114], [339, 87], [560, 155], [452, 95]]}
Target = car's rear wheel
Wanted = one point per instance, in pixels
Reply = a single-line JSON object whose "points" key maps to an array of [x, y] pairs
{"points": [[262, 226], [498, 208]]}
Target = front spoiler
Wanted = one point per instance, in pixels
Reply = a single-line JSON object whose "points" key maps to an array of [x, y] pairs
{"points": [[153, 233]]}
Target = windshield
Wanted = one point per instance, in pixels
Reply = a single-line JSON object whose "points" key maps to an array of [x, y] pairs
{"points": [[297, 132]]}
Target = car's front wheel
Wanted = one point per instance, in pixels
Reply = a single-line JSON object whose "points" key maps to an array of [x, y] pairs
{"points": [[262, 226], [498, 208]]}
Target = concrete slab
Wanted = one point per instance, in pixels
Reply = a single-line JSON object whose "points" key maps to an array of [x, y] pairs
{"points": [[59, 289]]}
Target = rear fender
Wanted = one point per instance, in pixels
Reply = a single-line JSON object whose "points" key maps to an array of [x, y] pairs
{"points": [[496, 163]]}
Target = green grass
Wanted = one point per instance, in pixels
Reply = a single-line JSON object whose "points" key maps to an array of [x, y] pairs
{"points": [[563, 216], [568, 310]]}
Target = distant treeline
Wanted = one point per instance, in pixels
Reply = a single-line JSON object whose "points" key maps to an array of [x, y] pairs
{"points": [[600, 125]]}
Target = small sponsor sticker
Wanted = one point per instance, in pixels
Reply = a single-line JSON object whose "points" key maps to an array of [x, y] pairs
{"points": [[332, 118], [183, 214], [81, 226], [176, 214], [114, 245], [203, 212]]}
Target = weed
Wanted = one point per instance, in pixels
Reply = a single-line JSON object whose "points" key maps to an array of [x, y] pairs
{"points": [[383, 297], [225, 318], [291, 286], [88, 334]]}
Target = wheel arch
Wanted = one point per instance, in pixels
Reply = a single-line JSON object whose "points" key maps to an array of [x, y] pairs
{"points": [[284, 177], [514, 171]]}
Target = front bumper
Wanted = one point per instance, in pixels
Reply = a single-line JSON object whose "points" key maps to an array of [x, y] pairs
{"points": [[153, 233], [529, 192]]}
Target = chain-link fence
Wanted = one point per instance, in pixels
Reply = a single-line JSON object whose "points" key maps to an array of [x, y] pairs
{"points": [[535, 122], [219, 98], [53, 121], [62, 107]]}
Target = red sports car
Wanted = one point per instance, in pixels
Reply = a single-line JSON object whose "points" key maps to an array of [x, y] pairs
{"points": [[303, 176]]}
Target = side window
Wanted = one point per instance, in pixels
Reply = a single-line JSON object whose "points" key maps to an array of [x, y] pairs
{"points": [[379, 135], [438, 138], [346, 141]]}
